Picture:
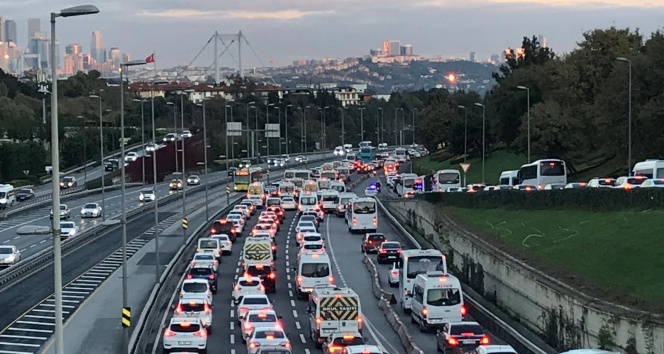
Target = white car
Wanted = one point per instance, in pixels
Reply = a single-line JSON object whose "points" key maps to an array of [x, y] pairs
{"points": [[507, 349], [339, 151], [147, 195], [247, 286], [9, 255], [68, 228], [236, 215], [243, 209], [91, 210], [225, 242], [252, 302], [393, 276], [264, 336], [65, 213], [131, 156], [371, 191], [194, 307], [259, 318], [170, 137], [205, 259], [150, 147], [184, 334], [239, 226], [299, 237], [288, 203], [193, 180], [653, 183], [186, 134], [196, 286], [362, 349]]}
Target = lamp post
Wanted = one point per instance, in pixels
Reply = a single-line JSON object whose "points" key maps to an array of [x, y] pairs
{"points": [[101, 149], [286, 124], [483, 136], [55, 181], [320, 110], [205, 159], [154, 186], [175, 130], [362, 122], [465, 132], [184, 165], [255, 145], [226, 107], [142, 133], [301, 129], [413, 127], [527, 89], [248, 131], [343, 122], [267, 132], [85, 148], [629, 117], [325, 127], [381, 136], [304, 120], [123, 66]]}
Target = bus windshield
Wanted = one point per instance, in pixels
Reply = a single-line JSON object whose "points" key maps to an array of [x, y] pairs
{"points": [[241, 178], [552, 168], [408, 183], [307, 200], [448, 178], [421, 265], [364, 207], [303, 175]]}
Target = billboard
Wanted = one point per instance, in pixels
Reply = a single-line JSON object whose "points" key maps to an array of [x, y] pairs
{"points": [[233, 128], [272, 130]]}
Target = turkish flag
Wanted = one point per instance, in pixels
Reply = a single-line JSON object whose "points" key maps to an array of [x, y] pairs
{"points": [[150, 59]]}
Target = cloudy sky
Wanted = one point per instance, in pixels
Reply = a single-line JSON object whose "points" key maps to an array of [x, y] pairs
{"points": [[284, 30]]}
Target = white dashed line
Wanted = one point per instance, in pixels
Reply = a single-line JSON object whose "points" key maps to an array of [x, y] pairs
{"points": [[232, 313], [297, 325], [232, 326], [302, 338], [290, 293], [292, 303], [232, 338], [295, 313]]}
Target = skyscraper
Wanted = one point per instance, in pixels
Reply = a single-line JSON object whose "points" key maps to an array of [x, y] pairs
{"points": [[406, 49], [73, 48], [34, 26], [10, 31], [2, 29], [115, 56], [395, 48], [97, 50], [472, 56]]}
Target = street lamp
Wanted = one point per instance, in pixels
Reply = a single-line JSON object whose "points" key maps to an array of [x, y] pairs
{"points": [[101, 149], [304, 121], [175, 132], [142, 132], [396, 129], [381, 136], [325, 127], [320, 110], [205, 159], [362, 122], [527, 89], [55, 181], [226, 107], [286, 124], [267, 131], [154, 190], [413, 127], [629, 119], [483, 135], [343, 122], [465, 132]]}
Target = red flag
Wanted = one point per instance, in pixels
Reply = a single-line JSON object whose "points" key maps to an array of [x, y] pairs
{"points": [[150, 59]]}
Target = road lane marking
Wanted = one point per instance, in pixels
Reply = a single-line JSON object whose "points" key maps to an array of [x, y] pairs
{"points": [[302, 338], [297, 325], [295, 313]]}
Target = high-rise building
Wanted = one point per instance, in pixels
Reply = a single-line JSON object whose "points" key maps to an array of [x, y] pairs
{"points": [[395, 48], [73, 48], [472, 56], [406, 49], [115, 57], [374, 52], [34, 26], [2, 30], [10, 31], [126, 57], [97, 50]]}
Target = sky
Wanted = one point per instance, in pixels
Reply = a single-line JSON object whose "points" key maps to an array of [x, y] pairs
{"points": [[280, 31]]}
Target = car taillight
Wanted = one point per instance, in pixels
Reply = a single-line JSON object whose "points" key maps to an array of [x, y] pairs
{"points": [[399, 250], [188, 276], [178, 310], [202, 333], [299, 280], [169, 333], [254, 345], [424, 311], [360, 320], [208, 310], [375, 221], [355, 221], [484, 340], [272, 275], [463, 310], [383, 251], [452, 342], [394, 272], [319, 320], [247, 326], [330, 279], [211, 276], [213, 231], [333, 349]]}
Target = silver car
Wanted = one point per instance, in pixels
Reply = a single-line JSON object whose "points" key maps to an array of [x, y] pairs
{"points": [[195, 307], [68, 229], [264, 336], [65, 213], [91, 210], [393, 276], [147, 195], [9, 255]]}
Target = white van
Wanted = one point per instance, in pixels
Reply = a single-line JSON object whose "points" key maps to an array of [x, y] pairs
{"points": [[329, 200], [314, 268], [7, 195], [307, 201], [509, 178], [338, 186], [437, 299], [210, 245]]}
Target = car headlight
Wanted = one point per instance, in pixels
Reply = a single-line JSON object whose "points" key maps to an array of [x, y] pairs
{"points": [[82, 211], [72, 232], [11, 258], [141, 197], [71, 184]]}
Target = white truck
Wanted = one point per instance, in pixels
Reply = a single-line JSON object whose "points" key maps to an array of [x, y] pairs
{"points": [[333, 309]]}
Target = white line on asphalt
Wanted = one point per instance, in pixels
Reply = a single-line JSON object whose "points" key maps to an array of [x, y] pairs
{"points": [[292, 303], [306, 351], [232, 313], [290, 293], [30, 330], [297, 325], [232, 326], [232, 338], [295, 313], [302, 338], [287, 264], [289, 285]]}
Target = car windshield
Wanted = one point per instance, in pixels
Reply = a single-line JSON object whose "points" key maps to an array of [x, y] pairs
{"points": [[443, 297], [147, 191], [68, 179], [269, 335], [193, 177], [249, 282], [273, 201], [185, 328], [192, 306], [345, 341], [315, 270], [456, 330], [254, 301], [63, 207], [364, 207], [208, 243], [23, 191], [67, 225], [312, 238], [204, 257], [253, 270], [195, 287], [303, 224], [262, 318], [6, 250], [376, 238], [222, 238], [202, 272], [307, 218], [390, 245], [288, 200], [90, 206]]}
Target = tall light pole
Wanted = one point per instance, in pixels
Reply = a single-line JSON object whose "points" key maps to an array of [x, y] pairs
{"points": [[124, 66], [343, 127], [286, 124], [55, 181], [396, 126], [304, 120], [226, 107], [413, 126], [325, 127], [256, 149], [362, 122], [175, 131], [142, 133], [381, 136], [483, 136], [320, 110], [205, 159], [101, 149], [252, 103], [629, 117], [154, 191], [465, 133], [527, 89], [267, 132], [184, 169]]}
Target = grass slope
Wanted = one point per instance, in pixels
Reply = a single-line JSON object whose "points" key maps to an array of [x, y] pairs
{"points": [[497, 162]]}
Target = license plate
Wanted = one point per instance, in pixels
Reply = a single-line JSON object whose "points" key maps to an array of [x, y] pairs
{"points": [[470, 341], [184, 343], [191, 314]]}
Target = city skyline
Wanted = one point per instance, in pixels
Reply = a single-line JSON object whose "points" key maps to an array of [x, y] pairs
{"points": [[485, 27]]}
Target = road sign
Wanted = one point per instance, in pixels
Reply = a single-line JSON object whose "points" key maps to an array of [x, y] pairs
{"points": [[185, 223], [228, 190], [126, 317], [234, 129], [465, 166], [268, 172], [26, 172], [272, 130]]}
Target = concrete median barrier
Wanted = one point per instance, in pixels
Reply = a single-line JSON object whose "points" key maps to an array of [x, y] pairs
{"points": [[33, 230]]}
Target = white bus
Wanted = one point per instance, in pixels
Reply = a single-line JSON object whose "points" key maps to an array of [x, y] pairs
{"points": [[307, 201], [543, 172], [407, 183], [446, 179], [303, 174], [364, 144], [286, 189], [362, 215], [413, 263], [436, 299], [509, 178], [289, 174], [652, 169], [400, 155]]}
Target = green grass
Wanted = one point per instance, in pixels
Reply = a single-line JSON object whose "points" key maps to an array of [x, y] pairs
{"points": [[497, 162], [619, 251]]}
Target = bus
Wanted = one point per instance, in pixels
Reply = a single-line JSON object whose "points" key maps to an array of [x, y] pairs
{"points": [[362, 215], [407, 183], [509, 178], [443, 180], [246, 176], [543, 172], [367, 154], [400, 155], [364, 144], [329, 174], [286, 189], [289, 174], [413, 263], [255, 188], [390, 165], [652, 169]]}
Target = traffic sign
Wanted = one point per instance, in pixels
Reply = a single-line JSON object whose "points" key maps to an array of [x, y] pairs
{"points": [[465, 166], [228, 190], [185, 223], [268, 172], [126, 317]]}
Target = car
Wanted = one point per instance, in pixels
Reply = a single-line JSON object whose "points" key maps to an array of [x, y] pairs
{"points": [[299, 236], [576, 185], [9, 255], [237, 216], [288, 203], [193, 180], [464, 336], [224, 227], [131, 156], [249, 205], [147, 195], [205, 259], [24, 194], [245, 163], [285, 158], [393, 276], [196, 286], [150, 147], [388, 250], [372, 242], [252, 302], [175, 184], [65, 213], [111, 165], [225, 242], [274, 349], [194, 306], [204, 272], [309, 217], [247, 285], [267, 227], [68, 229], [371, 190], [277, 210], [339, 151], [170, 137], [653, 183], [494, 349], [185, 333], [303, 159], [68, 182], [269, 190], [606, 182], [263, 336], [186, 134], [91, 210], [244, 209], [231, 171], [337, 341], [259, 318], [362, 349], [239, 226], [554, 186]]}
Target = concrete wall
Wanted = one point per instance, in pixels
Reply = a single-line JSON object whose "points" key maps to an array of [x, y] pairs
{"points": [[565, 317]]}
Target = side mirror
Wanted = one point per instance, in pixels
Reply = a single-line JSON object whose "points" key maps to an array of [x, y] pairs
{"points": [[280, 317], [294, 269]]}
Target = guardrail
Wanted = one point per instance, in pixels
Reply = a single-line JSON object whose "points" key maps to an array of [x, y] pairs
{"points": [[475, 304]]}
